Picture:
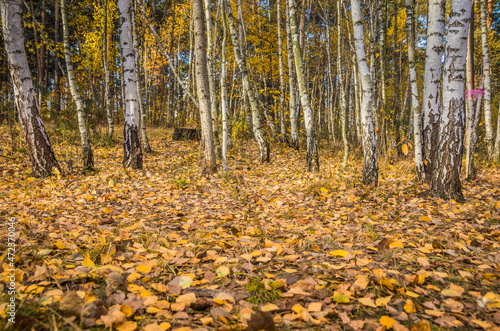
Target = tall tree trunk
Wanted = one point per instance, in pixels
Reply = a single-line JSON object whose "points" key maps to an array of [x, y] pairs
{"points": [[248, 90], [445, 180], [57, 69], [311, 142], [369, 141], [146, 147], [431, 98], [37, 141], [488, 126], [87, 155], [341, 82], [496, 150], [292, 82], [131, 142], [211, 64], [470, 129], [473, 118], [281, 104], [224, 94], [107, 82], [202, 87], [415, 106]]}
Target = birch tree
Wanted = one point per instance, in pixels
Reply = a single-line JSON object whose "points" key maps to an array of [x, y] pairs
{"points": [[107, 81], [203, 87], [415, 106], [87, 155], [247, 88], [342, 89], [431, 96], [487, 79], [292, 83], [445, 180], [368, 139], [311, 143], [37, 141], [131, 142], [224, 94]]}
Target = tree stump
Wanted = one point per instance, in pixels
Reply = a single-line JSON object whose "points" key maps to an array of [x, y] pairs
{"points": [[186, 134]]}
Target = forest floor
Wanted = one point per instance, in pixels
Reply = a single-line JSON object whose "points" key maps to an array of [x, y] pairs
{"points": [[265, 246]]}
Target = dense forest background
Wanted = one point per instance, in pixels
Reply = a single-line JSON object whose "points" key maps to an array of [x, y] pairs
{"points": [[325, 36]]}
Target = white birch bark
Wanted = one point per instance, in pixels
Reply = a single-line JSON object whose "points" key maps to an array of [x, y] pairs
{"points": [[342, 92], [415, 105], [203, 87], [292, 83], [37, 141], [224, 95], [311, 142], [83, 128], [496, 149], [445, 180], [105, 65], [431, 97], [131, 143], [369, 140], [281, 104], [247, 88], [146, 147], [488, 126]]}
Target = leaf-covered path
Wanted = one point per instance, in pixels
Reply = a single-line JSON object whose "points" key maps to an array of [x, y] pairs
{"points": [[168, 248]]}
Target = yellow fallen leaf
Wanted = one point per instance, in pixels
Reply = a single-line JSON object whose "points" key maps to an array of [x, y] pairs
{"points": [[269, 307], [188, 298], [434, 313], [387, 321], [485, 325], [127, 326], [451, 293], [88, 262], [298, 308], [144, 268], [127, 310], [314, 306], [409, 307], [60, 245], [367, 302], [222, 271], [396, 244], [340, 298], [206, 321], [425, 218], [383, 301], [339, 252]]}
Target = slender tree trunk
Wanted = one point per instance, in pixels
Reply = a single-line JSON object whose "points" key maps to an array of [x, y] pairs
{"points": [[415, 106], [107, 82], [341, 80], [369, 141], [292, 82], [311, 142], [211, 64], [281, 104], [248, 90], [146, 147], [57, 68], [37, 141], [87, 155], [202, 87], [445, 180], [224, 94], [471, 137], [470, 109], [496, 150], [131, 144], [488, 126], [431, 98]]}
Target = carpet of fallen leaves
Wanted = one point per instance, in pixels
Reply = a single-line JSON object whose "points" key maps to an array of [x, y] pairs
{"points": [[263, 247]]}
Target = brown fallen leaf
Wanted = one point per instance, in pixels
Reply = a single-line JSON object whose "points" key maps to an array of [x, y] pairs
{"points": [[261, 321]]}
